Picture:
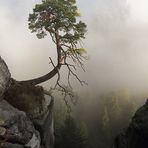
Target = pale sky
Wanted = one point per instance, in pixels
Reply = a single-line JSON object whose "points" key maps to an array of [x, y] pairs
{"points": [[116, 42], [139, 10]]}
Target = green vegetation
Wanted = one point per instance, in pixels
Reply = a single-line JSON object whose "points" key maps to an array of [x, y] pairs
{"points": [[60, 21], [101, 118], [71, 134], [57, 15], [94, 124], [27, 98]]}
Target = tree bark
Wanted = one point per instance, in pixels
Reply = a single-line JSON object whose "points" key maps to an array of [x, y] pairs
{"points": [[42, 78], [54, 71]]}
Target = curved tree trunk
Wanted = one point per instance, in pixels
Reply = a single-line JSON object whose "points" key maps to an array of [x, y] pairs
{"points": [[42, 78], [54, 71]]}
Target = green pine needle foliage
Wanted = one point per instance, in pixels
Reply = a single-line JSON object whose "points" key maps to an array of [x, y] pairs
{"points": [[57, 15]]}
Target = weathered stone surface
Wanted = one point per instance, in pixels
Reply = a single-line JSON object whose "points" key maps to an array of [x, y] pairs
{"points": [[2, 131], [27, 98], [10, 145], [37, 106], [45, 125], [4, 76], [34, 141], [136, 135], [28, 121], [17, 127]]}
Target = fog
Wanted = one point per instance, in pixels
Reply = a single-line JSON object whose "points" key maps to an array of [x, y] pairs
{"points": [[116, 42]]}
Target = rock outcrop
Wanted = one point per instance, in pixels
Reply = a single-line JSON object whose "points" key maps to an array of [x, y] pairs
{"points": [[16, 129], [26, 114], [4, 77], [136, 135]]}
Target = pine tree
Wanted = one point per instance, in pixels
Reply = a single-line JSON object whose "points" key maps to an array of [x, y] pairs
{"points": [[59, 20]]}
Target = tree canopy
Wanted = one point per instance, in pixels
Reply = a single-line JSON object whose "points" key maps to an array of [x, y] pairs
{"points": [[57, 15], [60, 20]]}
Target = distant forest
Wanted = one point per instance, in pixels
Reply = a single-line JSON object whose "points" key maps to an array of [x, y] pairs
{"points": [[95, 123]]}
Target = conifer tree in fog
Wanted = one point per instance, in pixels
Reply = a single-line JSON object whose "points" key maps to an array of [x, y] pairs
{"points": [[60, 21], [71, 134]]}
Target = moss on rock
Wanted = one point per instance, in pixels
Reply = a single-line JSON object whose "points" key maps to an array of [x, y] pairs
{"points": [[27, 98]]}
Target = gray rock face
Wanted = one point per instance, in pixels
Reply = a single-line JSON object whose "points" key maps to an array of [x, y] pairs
{"points": [[136, 135], [45, 124], [16, 129], [4, 76], [27, 120], [35, 141], [10, 145]]}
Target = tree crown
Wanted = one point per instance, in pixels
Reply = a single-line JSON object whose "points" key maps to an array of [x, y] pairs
{"points": [[57, 15], [60, 20]]}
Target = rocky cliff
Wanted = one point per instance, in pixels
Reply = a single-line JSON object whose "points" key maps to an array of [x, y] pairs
{"points": [[136, 135], [4, 77], [26, 114]]}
